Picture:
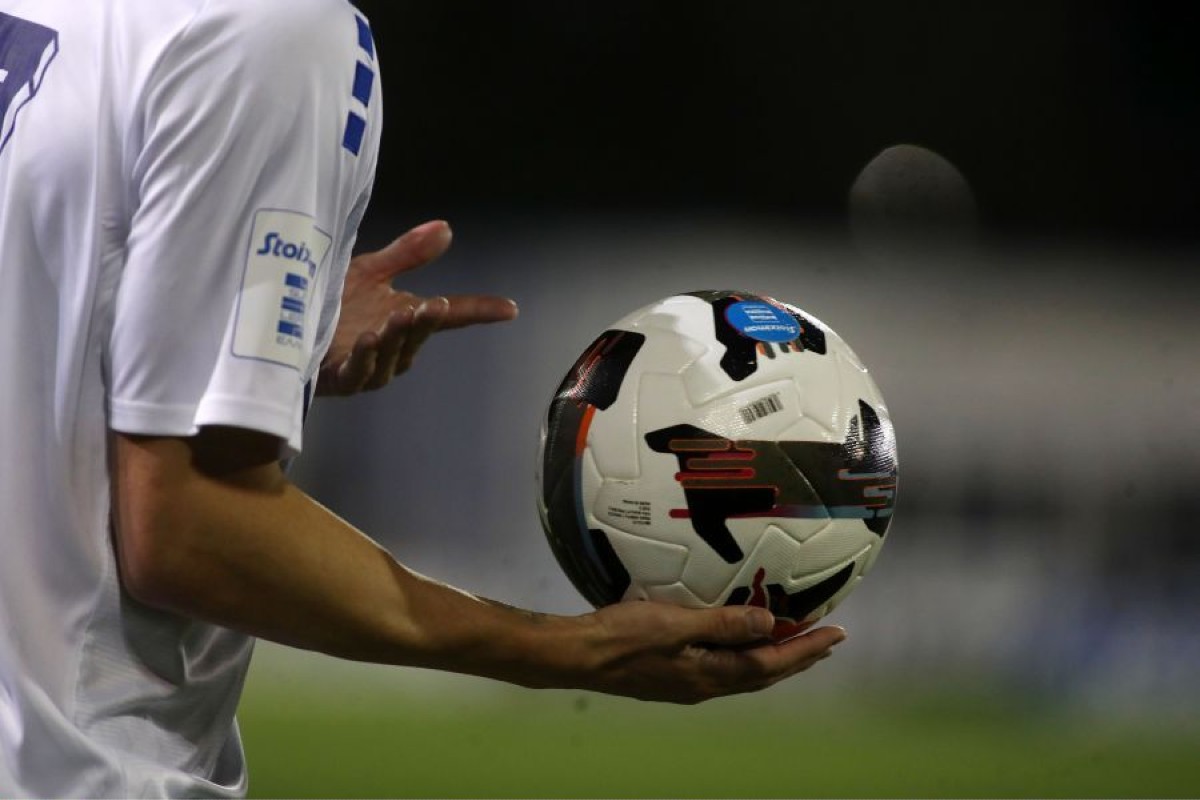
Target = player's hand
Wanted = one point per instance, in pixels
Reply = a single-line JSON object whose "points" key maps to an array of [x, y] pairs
{"points": [[380, 329], [655, 651]]}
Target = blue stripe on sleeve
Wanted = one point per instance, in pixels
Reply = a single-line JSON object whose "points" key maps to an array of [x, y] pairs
{"points": [[364, 82], [365, 40], [356, 129]]}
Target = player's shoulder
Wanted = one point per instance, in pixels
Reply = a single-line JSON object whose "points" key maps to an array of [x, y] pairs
{"points": [[273, 27], [265, 17]]}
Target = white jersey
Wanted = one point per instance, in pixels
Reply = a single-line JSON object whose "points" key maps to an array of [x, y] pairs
{"points": [[180, 187]]}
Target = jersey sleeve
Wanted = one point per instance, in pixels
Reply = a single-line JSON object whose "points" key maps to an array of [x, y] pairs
{"points": [[252, 154]]}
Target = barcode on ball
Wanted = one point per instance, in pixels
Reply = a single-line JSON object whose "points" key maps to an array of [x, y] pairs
{"points": [[769, 405]]}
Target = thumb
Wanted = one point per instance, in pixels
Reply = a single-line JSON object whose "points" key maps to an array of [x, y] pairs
{"points": [[730, 625]]}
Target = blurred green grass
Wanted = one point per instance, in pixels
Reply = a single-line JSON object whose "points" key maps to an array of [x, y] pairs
{"points": [[408, 734]]}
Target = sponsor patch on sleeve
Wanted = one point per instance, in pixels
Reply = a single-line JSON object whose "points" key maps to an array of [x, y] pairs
{"points": [[285, 256]]}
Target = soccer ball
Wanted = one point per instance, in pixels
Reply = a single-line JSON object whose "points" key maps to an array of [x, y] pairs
{"points": [[718, 448]]}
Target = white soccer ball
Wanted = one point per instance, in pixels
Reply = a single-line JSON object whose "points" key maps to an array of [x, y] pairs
{"points": [[718, 448]]}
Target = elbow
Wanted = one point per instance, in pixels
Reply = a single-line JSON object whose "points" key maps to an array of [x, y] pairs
{"points": [[154, 520], [155, 536], [169, 496], [150, 565]]}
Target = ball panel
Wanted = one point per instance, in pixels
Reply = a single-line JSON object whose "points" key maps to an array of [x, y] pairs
{"points": [[802, 605], [761, 411], [654, 562], [676, 593], [592, 384]]}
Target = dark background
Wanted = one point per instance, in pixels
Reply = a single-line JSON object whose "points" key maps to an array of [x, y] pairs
{"points": [[1039, 593], [1067, 117]]}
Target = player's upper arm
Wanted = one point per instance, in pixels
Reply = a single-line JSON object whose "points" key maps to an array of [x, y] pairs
{"points": [[162, 493], [247, 167]]}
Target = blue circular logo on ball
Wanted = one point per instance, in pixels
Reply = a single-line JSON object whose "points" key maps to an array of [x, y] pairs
{"points": [[762, 321]]}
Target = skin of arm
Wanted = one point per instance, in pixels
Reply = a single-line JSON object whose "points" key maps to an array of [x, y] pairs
{"points": [[209, 527]]}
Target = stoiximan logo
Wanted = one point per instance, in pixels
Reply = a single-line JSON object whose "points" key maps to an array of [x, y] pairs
{"points": [[282, 276]]}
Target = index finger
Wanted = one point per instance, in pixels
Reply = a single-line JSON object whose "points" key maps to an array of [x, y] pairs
{"points": [[475, 309]]}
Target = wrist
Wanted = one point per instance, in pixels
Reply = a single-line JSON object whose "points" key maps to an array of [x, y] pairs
{"points": [[552, 652]]}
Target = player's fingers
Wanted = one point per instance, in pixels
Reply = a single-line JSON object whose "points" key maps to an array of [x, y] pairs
{"points": [[476, 309], [727, 671], [391, 344], [356, 370], [427, 318], [796, 654], [802, 665], [415, 248], [727, 626]]}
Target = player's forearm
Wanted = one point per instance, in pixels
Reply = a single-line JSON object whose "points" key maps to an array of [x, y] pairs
{"points": [[258, 555]]}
